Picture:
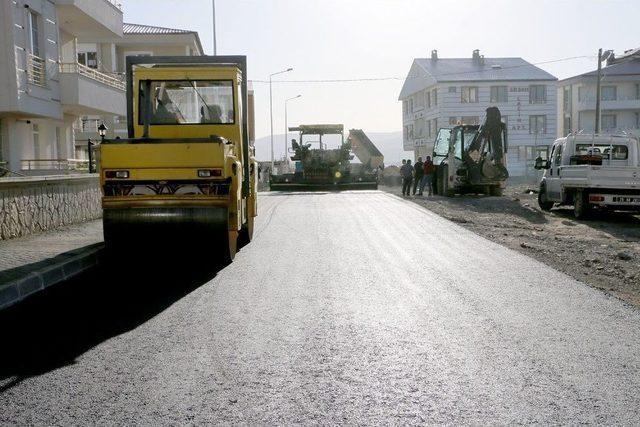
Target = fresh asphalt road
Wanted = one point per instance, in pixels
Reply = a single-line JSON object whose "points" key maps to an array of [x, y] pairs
{"points": [[353, 307]]}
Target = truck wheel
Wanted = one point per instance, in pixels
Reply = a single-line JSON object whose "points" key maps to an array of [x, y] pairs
{"points": [[544, 204], [446, 191], [496, 191], [581, 207]]}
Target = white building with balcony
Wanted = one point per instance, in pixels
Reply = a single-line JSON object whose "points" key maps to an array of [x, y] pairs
{"points": [[619, 98], [43, 88], [62, 72], [442, 92]]}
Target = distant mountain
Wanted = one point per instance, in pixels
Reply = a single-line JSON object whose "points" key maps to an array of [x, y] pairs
{"points": [[389, 143]]}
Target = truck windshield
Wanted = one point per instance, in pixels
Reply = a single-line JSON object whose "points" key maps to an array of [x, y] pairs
{"points": [[187, 102], [441, 147]]}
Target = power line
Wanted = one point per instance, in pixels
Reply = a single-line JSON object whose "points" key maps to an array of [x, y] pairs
{"points": [[372, 79]]}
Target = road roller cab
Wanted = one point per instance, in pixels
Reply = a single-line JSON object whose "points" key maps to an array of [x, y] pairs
{"points": [[187, 169]]}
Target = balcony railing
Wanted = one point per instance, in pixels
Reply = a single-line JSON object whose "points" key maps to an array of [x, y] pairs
{"points": [[114, 81], [55, 164], [36, 70]]}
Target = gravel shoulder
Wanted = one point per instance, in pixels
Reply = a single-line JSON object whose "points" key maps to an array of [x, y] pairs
{"points": [[602, 252]]}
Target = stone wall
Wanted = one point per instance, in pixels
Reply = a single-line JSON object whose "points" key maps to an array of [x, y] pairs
{"points": [[33, 204]]}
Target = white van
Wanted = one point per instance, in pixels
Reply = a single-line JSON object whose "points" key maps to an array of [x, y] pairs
{"points": [[589, 171]]}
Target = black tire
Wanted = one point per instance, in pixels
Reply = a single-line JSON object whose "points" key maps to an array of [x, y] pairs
{"points": [[446, 191], [496, 191], [581, 207], [246, 232], [544, 204]]}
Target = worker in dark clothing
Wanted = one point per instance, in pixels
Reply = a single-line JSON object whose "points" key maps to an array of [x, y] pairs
{"points": [[406, 171], [417, 176], [429, 170]]}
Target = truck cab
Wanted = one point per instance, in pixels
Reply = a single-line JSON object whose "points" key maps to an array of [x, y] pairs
{"points": [[591, 171]]}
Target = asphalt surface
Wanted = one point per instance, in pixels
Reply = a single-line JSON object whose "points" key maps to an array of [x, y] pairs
{"points": [[354, 307]]}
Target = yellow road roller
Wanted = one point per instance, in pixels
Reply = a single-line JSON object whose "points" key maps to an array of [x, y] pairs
{"points": [[186, 175]]}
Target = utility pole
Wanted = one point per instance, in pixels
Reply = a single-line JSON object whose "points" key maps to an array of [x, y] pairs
{"points": [[271, 110], [215, 47], [597, 127]]}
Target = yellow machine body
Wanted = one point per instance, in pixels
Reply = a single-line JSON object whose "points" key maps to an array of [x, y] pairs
{"points": [[173, 175]]}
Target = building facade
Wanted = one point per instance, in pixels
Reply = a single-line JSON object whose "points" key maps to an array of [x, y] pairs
{"points": [[442, 92], [62, 72], [619, 98], [43, 87]]}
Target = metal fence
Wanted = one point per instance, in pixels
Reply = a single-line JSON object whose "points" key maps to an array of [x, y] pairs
{"points": [[78, 165], [36, 70], [113, 80]]}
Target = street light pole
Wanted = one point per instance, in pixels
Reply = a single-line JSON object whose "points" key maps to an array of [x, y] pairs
{"points": [[271, 109], [601, 57], [598, 89], [215, 47], [286, 128]]}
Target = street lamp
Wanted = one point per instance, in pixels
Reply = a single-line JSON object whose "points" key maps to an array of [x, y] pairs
{"points": [[286, 129], [271, 109], [102, 131], [215, 47], [601, 57]]}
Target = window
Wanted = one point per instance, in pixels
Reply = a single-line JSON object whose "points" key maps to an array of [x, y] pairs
{"points": [[428, 95], [453, 121], [558, 155], [470, 120], [441, 146], [566, 99], [566, 125], [617, 152], [608, 93], [428, 127], [35, 132], [405, 107], [188, 102], [34, 36], [469, 94], [411, 105], [581, 93], [435, 97], [637, 120], [542, 152], [498, 94], [453, 89], [609, 121], [434, 127], [90, 59], [537, 124], [60, 151], [537, 94]]}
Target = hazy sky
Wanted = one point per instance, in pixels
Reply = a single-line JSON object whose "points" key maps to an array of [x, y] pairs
{"points": [[345, 39]]}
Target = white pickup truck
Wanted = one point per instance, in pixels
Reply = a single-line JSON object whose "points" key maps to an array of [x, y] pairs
{"points": [[591, 171]]}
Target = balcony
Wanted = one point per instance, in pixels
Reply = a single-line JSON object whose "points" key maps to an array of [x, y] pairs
{"points": [[90, 19], [36, 70], [621, 103], [53, 166], [86, 91]]}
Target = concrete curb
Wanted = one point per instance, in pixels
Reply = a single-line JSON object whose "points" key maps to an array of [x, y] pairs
{"points": [[82, 260]]}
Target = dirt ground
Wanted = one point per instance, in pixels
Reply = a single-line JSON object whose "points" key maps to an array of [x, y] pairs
{"points": [[602, 252]]}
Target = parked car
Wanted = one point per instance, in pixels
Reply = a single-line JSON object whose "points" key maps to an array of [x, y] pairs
{"points": [[591, 172]]}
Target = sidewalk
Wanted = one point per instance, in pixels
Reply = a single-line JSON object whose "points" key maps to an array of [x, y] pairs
{"points": [[32, 263]]}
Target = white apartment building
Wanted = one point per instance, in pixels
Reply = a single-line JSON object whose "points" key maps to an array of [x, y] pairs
{"points": [[442, 92], [619, 98], [61, 72], [43, 88]]}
